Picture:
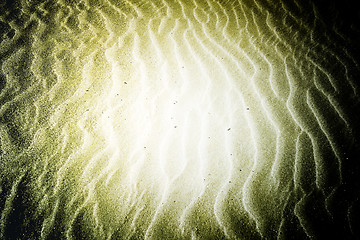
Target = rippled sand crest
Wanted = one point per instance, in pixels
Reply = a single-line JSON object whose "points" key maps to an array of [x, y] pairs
{"points": [[178, 120]]}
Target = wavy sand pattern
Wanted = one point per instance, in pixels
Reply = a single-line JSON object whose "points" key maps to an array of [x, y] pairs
{"points": [[178, 119]]}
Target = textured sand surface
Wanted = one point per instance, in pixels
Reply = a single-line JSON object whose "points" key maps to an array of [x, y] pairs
{"points": [[179, 119]]}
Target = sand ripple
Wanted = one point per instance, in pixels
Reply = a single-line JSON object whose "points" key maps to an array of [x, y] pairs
{"points": [[178, 120]]}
